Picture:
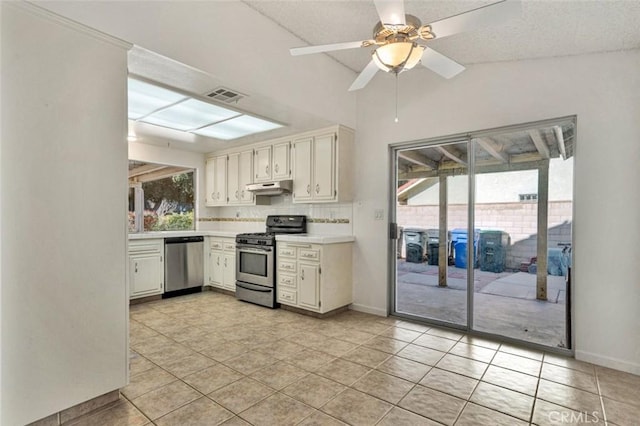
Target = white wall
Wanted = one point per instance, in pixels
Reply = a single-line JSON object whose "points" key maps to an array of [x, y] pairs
{"points": [[63, 195], [603, 90]]}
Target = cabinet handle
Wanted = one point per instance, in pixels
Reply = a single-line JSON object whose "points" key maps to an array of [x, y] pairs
{"points": [[317, 188], [213, 195], [276, 168], [256, 176], [218, 261], [302, 274], [237, 195], [242, 194], [136, 267], [225, 262], [308, 189], [266, 169]]}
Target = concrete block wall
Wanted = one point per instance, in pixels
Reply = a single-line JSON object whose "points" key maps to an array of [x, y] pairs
{"points": [[519, 220]]}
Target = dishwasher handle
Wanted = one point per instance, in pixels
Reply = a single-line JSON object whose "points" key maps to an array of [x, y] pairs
{"points": [[182, 240]]}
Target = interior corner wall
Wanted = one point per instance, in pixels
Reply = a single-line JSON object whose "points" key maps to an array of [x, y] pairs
{"points": [[63, 195], [603, 90]]}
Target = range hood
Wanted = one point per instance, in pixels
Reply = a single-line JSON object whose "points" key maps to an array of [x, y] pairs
{"points": [[271, 188]]}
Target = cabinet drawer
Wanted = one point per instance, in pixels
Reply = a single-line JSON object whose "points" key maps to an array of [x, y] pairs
{"points": [[287, 252], [310, 254], [216, 245], [146, 247], [286, 266], [287, 280], [287, 297], [229, 246]]}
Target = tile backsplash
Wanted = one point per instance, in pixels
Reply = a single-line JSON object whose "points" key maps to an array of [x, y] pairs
{"points": [[326, 219]]}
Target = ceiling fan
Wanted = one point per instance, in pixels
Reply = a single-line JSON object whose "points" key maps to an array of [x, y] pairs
{"points": [[400, 41]]}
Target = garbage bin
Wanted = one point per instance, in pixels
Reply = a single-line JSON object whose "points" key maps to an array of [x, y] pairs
{"points": [[493, 250], [433, 246], [459, 247], [416, 244]]}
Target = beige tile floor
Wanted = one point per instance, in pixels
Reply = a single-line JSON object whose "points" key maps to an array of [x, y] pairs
{"points": [[208, 359]]}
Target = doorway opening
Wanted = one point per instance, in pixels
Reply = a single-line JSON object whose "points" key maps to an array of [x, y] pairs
{"points": [[484, 226]]}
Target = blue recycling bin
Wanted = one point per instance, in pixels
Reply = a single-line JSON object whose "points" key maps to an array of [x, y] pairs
{"points": [[459, 244]]}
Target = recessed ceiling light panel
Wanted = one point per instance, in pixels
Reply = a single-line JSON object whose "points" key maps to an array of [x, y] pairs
{"points": [[237, 127], [144, 98], [189, 114]]}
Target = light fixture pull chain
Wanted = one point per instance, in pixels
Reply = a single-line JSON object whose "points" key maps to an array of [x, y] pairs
{"points": [[396, 120]]}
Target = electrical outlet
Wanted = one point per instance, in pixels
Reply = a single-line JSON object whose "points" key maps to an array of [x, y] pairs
{"points": [[378, 214]]}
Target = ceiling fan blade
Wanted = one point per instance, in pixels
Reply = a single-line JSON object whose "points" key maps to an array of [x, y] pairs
{"points": [[440, 64], [391, 12], [365, 76], [328, 47], [493, 14]]}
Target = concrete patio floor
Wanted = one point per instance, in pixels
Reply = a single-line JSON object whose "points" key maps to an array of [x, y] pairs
{"points": [[504, 303]]}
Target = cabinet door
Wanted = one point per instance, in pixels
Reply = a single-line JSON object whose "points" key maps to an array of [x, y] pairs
{"points": [[220, 181], [324, 153], [309, 285], [262, 164], [245, 173], [233, 184], [216, 270], [281, 167], [146, 274], [302, 150], [229, 272], [209, 187]]}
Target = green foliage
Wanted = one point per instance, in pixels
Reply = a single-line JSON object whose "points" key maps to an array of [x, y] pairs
{"points": [[174, 222], [178, 188]]}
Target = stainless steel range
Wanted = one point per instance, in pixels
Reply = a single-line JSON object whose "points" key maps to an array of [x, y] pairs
{"points": [[256, 259]]}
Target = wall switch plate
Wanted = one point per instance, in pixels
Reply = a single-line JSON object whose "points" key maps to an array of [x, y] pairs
{"points": [[378, 214]]}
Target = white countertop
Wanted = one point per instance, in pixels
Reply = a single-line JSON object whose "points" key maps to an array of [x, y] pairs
{"points": [[315, 239], [170, 234]]}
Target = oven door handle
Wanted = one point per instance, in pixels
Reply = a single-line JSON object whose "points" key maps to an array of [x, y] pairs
{"points": [[254, 287], [254, 249]]}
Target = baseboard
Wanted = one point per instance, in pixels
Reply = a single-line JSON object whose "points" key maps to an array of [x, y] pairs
{"points": [[610, 362], [368, 310]]}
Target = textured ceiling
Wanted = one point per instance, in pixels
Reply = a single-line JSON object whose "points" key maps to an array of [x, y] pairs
{"points": [[547, 28]]}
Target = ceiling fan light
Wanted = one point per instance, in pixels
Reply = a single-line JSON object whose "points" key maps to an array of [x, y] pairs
{"points": [[397, 56]]}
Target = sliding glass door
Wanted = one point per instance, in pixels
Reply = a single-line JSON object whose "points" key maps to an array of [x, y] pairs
{"points": [[431, 276], [484, 231]]}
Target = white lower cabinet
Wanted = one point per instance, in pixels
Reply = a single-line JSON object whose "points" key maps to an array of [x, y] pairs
{"points": [[222, 263], [315, 277], [146, 268]]}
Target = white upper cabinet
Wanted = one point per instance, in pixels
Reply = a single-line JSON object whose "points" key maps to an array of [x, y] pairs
{"points": [[321, 167], [318, 162], [216, 181], [239, 170], [281, 169], [302, 165], [262, 164], [245, 172]]}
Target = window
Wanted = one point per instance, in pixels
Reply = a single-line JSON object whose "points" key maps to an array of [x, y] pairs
{"points": [[161, 198]]}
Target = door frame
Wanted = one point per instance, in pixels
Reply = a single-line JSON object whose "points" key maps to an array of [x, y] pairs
{"points": [[467, 137]]}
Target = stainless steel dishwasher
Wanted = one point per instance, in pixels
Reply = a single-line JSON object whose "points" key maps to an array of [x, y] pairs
{"points": [[184, 265]]}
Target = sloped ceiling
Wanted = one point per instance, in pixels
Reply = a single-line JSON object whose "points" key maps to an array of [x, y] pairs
{"points": [[546, 29]]}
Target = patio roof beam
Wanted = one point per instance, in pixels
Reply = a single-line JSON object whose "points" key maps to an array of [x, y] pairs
{"points": [[493, 149], [541, 145], [452, 155], [417, 158], [560, 139], [494, 168]]}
